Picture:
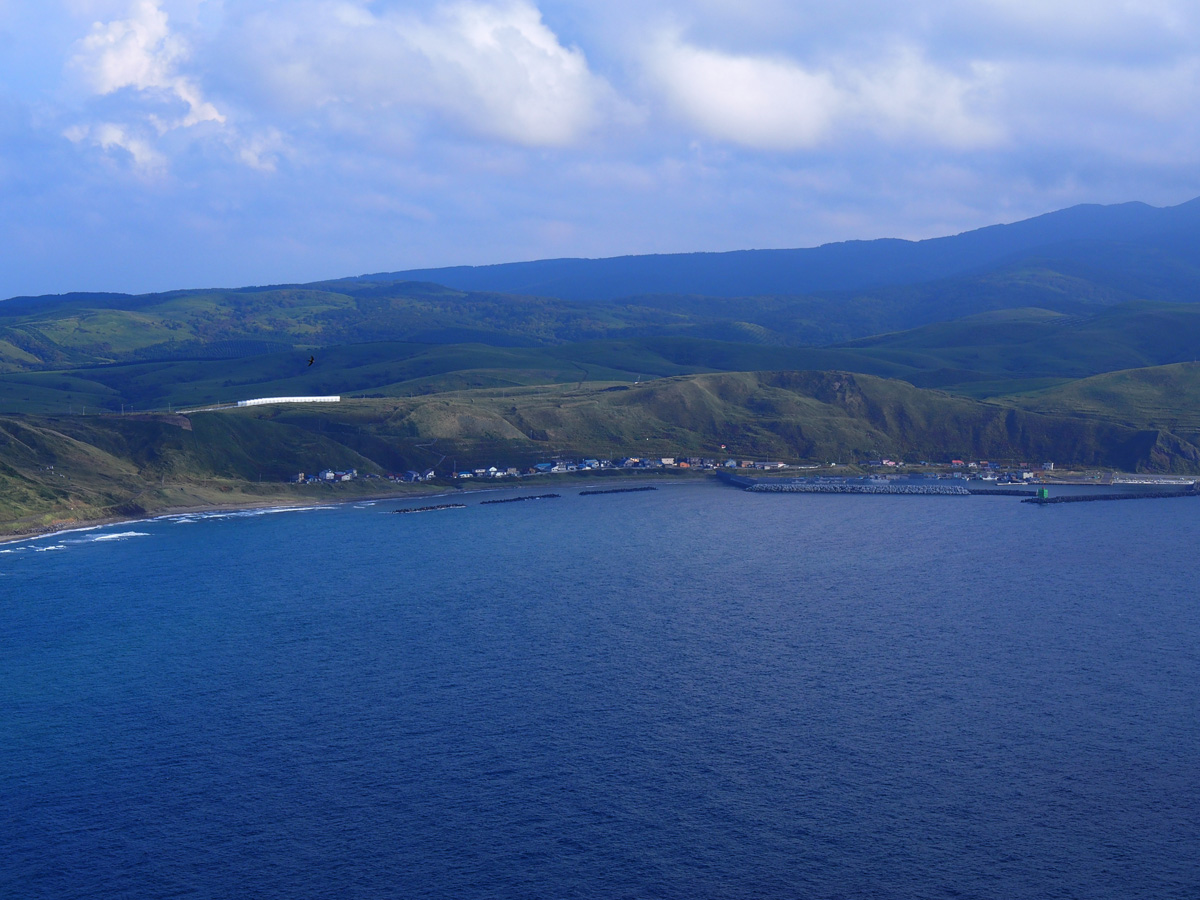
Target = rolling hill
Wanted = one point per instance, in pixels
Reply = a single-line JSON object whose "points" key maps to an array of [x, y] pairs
{"points": [[77, 468], [1158, 397], [992, 354], [1076, 261]]}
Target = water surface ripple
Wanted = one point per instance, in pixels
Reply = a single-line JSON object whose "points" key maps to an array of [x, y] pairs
{"points": [[688, 693]]}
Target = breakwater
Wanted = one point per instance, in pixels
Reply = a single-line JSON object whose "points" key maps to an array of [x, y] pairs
{"points": [[937, 490], [1089, 498], [520, 499], [1000, 492], [632, 490], [417, 509]]}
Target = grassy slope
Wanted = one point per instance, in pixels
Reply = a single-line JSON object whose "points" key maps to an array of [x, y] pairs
{"points": [[819, 416], [386, 368], [1159, 397], [90, 467], [1011, 346], [987, 355], [80, 330], [95, 330]]}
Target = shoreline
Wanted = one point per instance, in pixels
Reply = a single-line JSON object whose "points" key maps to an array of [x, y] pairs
{"points": [[400, 493], [55, 528], [65, 527]]}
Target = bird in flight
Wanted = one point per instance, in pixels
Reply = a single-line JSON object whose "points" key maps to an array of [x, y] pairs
{"points": [[311, 360]]}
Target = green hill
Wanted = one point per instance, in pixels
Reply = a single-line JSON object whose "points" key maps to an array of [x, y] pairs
{"points": [[82, 330], [1159, 397], [992, 354], [817, 416], [1003, 348], [85, 467], [81, 468]]}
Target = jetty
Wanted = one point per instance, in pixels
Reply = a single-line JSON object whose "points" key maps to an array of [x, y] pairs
{"points": [[630, 490], [419, 509], [1091, 498], [1000, 492], [519, 499], [778, 486], [925, 490]]}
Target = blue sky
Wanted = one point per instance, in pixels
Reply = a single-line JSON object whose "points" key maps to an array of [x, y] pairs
{"points": [[156, 144]]}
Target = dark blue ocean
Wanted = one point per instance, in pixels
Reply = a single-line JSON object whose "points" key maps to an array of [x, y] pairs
{"points": [[688, 693]]}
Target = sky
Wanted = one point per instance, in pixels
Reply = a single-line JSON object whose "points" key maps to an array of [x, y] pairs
{"points": [[158, 144]]}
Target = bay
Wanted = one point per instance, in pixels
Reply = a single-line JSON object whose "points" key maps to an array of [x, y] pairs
{"points": [[694, 692]]}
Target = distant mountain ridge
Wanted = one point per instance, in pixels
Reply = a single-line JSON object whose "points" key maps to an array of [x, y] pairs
{"points": [[1079, 234]]}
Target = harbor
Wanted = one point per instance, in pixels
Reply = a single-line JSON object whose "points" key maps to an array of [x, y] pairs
{"points": [[935, 487]]}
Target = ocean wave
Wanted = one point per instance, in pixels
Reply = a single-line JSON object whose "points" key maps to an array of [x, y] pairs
{"points": [[246, 513], [121, 536], [186, 518], [27, 541], [193, 517], [51, 547]]}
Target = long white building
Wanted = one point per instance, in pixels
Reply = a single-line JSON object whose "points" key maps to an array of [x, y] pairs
{"points": [[262, 401]]}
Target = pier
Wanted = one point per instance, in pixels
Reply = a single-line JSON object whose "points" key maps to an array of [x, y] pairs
{"points": [[632, 490], [777, 486], [1089, 498], [520, 499], [926, 490], [1001, 492]]}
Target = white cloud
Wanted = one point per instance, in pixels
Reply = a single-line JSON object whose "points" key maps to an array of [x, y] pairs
{"points": [[492, 69], [908, 97], [756, 101], [109, 135], [140, 52], [775, 103], [1093, 21], [260, 151]]}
